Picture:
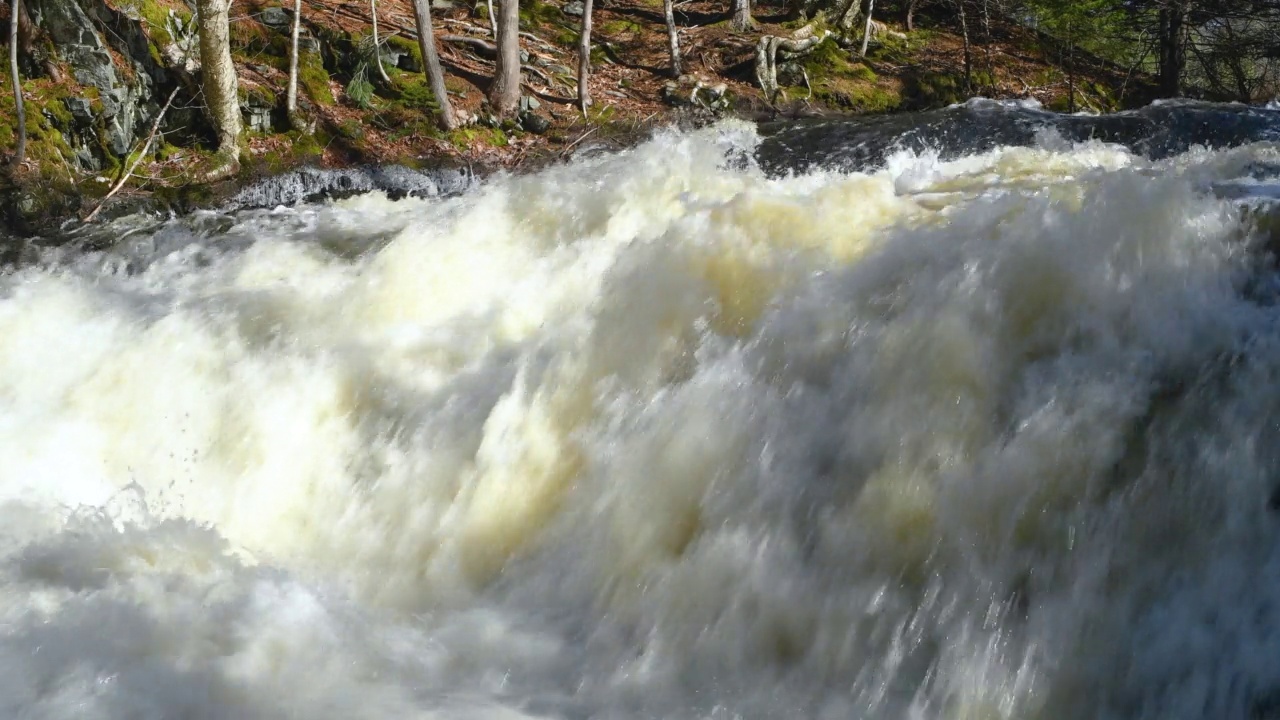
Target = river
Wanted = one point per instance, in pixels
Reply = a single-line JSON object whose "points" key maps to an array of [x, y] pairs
{"points": [[965, 415]]}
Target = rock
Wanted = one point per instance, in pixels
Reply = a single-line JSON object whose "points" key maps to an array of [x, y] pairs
{"points": [[307, 43], [559, 70], [574, 8], [276, 18], [308, 184], [690, 91], [90, 65], [524, 57], [441, 5], [81, 110], [672, 95], [529, 103], [534, 123], [408, 63], [256, 109], [791, 74]]}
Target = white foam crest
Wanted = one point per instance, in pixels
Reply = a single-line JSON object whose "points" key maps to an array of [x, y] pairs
{"points": [[650, 434]]}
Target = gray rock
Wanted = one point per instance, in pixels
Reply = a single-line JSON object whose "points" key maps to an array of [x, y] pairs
{"points": [[408, 63], [534, 123], [441, 5], [529, 103], [559, 70], [257, 119], [791, 74], [119, 137], [313, 184], [276, 18], [81, 111], [574, 8], [307, 43]]}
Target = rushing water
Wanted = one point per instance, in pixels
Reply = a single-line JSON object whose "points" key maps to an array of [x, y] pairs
{"points": [[968, 434]]}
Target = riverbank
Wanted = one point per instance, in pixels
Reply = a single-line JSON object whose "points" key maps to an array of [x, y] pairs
{"points": [[90, 106]]}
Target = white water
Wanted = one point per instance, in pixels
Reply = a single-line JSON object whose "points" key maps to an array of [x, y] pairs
{"points": [[654, 436]]}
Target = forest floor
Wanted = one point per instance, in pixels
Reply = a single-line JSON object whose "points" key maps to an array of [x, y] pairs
{"points": [[358, 118], [633, 89]]}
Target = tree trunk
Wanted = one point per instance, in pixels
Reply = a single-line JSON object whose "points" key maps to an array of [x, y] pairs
{"points": [[910, 19], [377, 44], [584, 59], [1071, 68], [847, 13], [866, 30], [968, 49], [493, 20], [20, 151], [435, 74], [986, 44], [504, 95], [742, 21], [673, 37], [221, 88], [1172, 50], [291, 99]]}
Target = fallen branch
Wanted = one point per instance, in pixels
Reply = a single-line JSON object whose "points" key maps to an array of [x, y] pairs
{"points": [[571, 145], [484, 46], [132, 166]]}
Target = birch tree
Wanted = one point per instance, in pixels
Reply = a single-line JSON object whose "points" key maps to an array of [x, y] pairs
{"points": [[866, 31], [673, 36], [504, 94], [584, 58], [291, 99], [218, 73], [431, 59], [742, 21], [20, 151], [377, 45]]}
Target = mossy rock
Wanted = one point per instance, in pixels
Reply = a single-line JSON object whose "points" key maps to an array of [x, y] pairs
{"points": [[314, 79], [933, 90]]}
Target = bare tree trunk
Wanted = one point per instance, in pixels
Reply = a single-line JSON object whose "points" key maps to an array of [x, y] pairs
{"points": [[504, 95], [910, 19], [742, 21], [968, 48], [221, 88], [986, 43], [847, 13], [673, 37], [584, 59], [377, 44], [20, 151], [866, 31], [291, 99], [493, 20], [1071, 67], [431, 59], [1172, 48]]}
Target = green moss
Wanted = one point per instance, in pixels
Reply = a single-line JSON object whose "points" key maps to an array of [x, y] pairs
{"points": [[314, 79], [622, 27], [155, 16], [405, 45], [260, 93], [932, 90], [58, 112], [535, 13], [250, 37], [415, 93], [462, 138]]}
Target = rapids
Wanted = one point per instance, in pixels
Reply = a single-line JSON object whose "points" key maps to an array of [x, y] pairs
{"points": [[957, 434]]}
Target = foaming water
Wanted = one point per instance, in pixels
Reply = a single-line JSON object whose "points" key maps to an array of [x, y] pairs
{"points": [[657, 435]]}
